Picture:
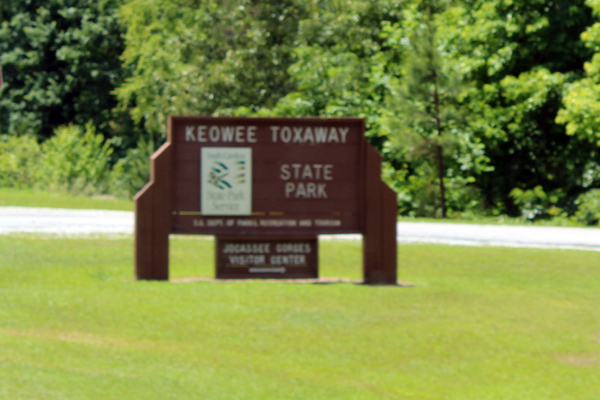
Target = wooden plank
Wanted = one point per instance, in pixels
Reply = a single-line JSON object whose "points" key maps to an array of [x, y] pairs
{"points": [[162, 170], [143, 205], [389, 242], [372, 236], [153, 219], [189, 172], [276, 191], [187, 224], [379, 249], [281, 154], [263, 131], [299, 207]]}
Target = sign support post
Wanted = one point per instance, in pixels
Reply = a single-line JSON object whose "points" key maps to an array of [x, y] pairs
{"points": [[379, 236], [153, 218]]}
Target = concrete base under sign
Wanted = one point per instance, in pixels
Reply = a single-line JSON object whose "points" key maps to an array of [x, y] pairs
{"points": [[322, 280]]}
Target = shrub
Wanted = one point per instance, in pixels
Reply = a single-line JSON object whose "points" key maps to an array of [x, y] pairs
{"points": [[132, 172], [75, 160], [588, 204], [536, 204], [18, 161]]}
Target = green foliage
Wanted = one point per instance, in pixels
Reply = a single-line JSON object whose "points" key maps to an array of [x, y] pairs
{"points": [[535, 203], [132, 172], [519, 55], [74, 160], [492, 39], [529, 148], [60, 62], [342, 65], [206, 57], [581, 112], [588, 210], [518, 84], [513, 59], [423, 119], [19, 156]]}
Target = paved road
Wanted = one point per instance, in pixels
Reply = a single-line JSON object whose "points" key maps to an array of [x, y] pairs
{"points": [[64, 221], [82, 222], [501, 235]]}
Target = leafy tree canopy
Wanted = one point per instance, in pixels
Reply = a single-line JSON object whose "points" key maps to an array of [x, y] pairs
{"points": [[206, 57], [517, 84], [60, 62]]}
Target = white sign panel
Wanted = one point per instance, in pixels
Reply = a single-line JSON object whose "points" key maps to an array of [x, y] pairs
{"points": [[226, 180]]}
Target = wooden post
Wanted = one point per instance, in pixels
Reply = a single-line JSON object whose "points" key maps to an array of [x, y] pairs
{"points": [[379, 235], [153, 218]]}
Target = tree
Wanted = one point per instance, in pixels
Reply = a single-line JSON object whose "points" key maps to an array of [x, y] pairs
{"points": [[206, 57], [580, 115], [581, 108], [349, 61], [356, 58], [60, 61], [426, 101], [518, 56], [341, 61]]}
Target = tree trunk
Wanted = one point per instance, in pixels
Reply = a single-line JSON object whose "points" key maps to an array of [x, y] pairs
{"points": [[439, 153], [440, 164]]}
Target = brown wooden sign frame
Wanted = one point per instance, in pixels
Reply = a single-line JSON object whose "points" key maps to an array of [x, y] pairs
{"points": [[156, 216]]}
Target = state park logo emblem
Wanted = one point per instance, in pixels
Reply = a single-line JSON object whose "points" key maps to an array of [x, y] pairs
{"points": [[226, 180]]}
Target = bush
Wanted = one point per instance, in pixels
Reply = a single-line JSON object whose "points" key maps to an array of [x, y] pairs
{"points": [[18, 161], [536, 204], [588, 204], [418, 192], [75, 160], [132, 172]]}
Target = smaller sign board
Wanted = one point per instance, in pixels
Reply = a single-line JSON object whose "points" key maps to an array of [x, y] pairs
{"points": [[267, 257], [226, 181]]}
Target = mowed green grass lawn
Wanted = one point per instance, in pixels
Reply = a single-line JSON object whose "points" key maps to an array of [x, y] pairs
{"points": [[480, 323], [35, 198]]}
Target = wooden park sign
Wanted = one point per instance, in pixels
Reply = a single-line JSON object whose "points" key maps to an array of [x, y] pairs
{"points": [[266, 187]]}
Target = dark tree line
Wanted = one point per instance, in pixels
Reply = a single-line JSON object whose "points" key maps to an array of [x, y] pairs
{"points": [[478, 106]]}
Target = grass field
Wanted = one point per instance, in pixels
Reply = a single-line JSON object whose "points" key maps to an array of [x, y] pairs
{"points": [[34, 198], [481, 323]]}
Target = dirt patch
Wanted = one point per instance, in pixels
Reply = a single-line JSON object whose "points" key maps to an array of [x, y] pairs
{"points": [[83, 338], [581, 360], [323, 280]]}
